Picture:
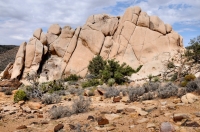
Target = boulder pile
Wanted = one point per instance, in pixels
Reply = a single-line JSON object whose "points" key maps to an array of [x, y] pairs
{"points": [[134, 38]]}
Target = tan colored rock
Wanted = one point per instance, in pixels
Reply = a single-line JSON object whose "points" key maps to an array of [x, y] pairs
{"points": [[67, 32], [143, 20], [129, 57], [73, 42], [19, 61], [51, 38], [54, 29], [106, 47], [111, 117], [156, 24], [45, 49], [92, 39], [90, 19], [6, 74], [34, 105], [189, 98], [130, 13], [52, 69], [168, 28], [114, 50], [174, 39], [43, 38], [37, 33], [110, 27], [128, 29], [38, 53], [30, 52], [103, 23], [79, 59], [108, 42], [60, 46], [123, 44]]}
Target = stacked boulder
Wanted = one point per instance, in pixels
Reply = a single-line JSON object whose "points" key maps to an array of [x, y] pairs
{"points": [[135, 38]]}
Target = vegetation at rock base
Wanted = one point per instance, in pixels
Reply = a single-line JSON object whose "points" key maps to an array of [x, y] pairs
{"points": [[20, 95], [187, 79], [193, 51], [92, 82], [72, 77], [96, 65], [110, 69], [80, 105]]}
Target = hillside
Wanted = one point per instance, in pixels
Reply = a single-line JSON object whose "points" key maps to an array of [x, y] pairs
{"points": [[7, 55]]}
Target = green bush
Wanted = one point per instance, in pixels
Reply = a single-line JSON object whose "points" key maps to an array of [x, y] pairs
{"points": [[92, 82], [96, 65], [174, 77], [72, 77], [55, 86], [20, 95], [183, 83], [110, 69], [116, 71], [190, 77], [193, 51], [111, 81], [156, 79], [150, 77]]}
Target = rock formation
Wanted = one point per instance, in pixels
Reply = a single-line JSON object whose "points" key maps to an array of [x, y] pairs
{"points": [[135, 38]]}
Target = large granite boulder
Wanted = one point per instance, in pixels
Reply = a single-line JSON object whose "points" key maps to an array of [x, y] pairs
{"points": [[134, 38]]}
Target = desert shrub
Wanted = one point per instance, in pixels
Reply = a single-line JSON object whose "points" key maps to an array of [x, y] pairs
{"points": [[116, 71], [8, 91], [124, 91], [138, 69], [192, 86], [111, 81], [151, 86], [92, 82], [111, 92], [134, 93], [77, 91], [61, 92], [190, 77], [51, 99], [150, 77], [60, 112], [110, 69], [20, 95], [55, 85], [33, 93], [148, 96], [72, 77], [80, 105], [181, 92], [170, 65], [193, 51], [167, 91], [156, 79], [174, 77], [183, 83], [96, 65]]}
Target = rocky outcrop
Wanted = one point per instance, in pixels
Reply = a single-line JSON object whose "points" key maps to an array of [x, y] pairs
{"points": [[135, 38]]}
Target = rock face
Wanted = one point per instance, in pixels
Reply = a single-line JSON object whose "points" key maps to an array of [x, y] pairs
{"points": [[135, 38]]}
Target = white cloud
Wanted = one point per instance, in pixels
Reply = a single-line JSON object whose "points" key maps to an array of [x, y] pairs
{"points": [[18, 19]]}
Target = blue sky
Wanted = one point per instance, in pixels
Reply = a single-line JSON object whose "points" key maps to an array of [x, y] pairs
{"points": [[19, 19]]}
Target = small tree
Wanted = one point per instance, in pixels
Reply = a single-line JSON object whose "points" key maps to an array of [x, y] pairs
{"points": [[96, 65], [193, 51]]}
